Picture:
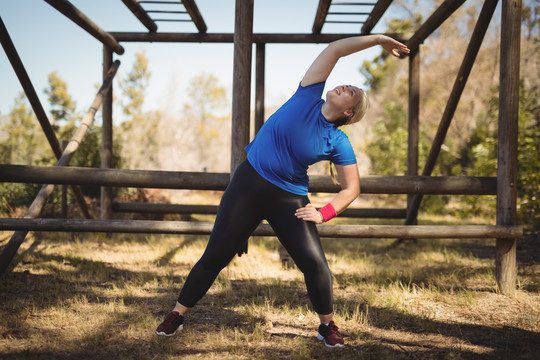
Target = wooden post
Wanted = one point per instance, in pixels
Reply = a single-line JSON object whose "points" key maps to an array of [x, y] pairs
{"points": [[414, 118], [64, 143], [259, 86], [106, 137], [243, 30], [505, 260]]}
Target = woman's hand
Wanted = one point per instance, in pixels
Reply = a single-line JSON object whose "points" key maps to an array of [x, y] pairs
{"points": [[309, 213], [392, 46]]}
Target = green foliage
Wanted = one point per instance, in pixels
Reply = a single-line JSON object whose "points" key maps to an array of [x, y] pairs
{"points": [[388, 150], [480, 157], [380, 69], [62, 105], [133, 86], [25, 145]]}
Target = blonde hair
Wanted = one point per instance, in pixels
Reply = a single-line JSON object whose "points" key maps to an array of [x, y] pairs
{"points": [[359, 110]]}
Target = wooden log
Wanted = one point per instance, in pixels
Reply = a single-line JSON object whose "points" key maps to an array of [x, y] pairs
{"points": [[243, 31], [320, 16], [378, 11], [33, 99], [259, 86], [455, 95], [413, 118], [229, 38], [141, 14], [438, 17], [37, 205], [191, 227], [75, 15], [107, 137], [195, 14], [505, 258], [156, 208], [372, 184]]}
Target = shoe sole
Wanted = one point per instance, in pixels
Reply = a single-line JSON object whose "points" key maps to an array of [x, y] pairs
{"points": [[321, 338], [161, 333]]}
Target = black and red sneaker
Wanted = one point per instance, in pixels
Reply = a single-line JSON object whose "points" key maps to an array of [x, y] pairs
{"points": [[174, 321], [330, 335]]}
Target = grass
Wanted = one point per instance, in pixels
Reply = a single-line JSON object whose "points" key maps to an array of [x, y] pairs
{"points": [[93, 296]]}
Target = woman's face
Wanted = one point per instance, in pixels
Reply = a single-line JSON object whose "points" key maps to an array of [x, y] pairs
{"points": [[344, 97]]}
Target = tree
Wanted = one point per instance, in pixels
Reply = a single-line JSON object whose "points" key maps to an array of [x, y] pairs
{"points": [[141, 131], [25, 145], [207, 109]]}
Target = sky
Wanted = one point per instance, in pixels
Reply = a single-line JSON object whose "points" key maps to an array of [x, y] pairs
{"points": [[47, 41]]}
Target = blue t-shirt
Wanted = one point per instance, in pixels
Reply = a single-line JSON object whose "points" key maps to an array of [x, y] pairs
{"points": [[296, 136]]}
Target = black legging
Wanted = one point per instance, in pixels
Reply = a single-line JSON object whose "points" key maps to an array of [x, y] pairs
{"points": [[248, 200]]}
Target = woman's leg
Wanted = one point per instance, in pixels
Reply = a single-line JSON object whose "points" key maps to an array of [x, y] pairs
{"points": [[239, 214], [302, 241]]}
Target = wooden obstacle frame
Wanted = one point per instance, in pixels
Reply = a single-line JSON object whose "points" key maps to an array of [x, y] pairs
{"points": [[506, 230]]}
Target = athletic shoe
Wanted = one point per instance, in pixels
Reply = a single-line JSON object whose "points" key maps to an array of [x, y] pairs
{"points": [[174, 321], [330, 335]]}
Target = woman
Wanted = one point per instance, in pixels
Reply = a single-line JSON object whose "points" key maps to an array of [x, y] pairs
{"points": [[272, 184]]}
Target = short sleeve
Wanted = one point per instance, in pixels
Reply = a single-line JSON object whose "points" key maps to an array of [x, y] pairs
{"points": [[343, 153]]}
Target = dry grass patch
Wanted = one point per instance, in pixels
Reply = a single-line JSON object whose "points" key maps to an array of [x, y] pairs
{"points": [[92, 296]]}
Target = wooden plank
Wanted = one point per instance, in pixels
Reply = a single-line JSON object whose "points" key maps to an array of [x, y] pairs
{"points": [[413, 118], [141, 14], [156, 208], [372, 184], [505, 258], [191, 227], [195, 14], [37, 205], [320, 16], [75, 15], [259, 86], [241, 110], [229, 38], [107, 137], [378, 11]]}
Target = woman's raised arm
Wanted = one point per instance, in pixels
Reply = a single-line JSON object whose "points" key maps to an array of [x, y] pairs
{"points": [[323, 65]]}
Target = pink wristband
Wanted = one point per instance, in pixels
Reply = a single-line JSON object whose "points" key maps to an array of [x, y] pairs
{"points": [[328, 212]]}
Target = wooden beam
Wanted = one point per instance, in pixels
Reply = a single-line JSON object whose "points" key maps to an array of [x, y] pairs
{"points": [[260, 58], [37, 205], [194, 13], [192, 227], [372, 184], [229, 38], [455, 95], [378, 11], [241, 111], [156, 208], [320, 16], [106, 196], [505, 258], [413, 118], [75, 15], [141, 14], [436, 19], [33, 99]]}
